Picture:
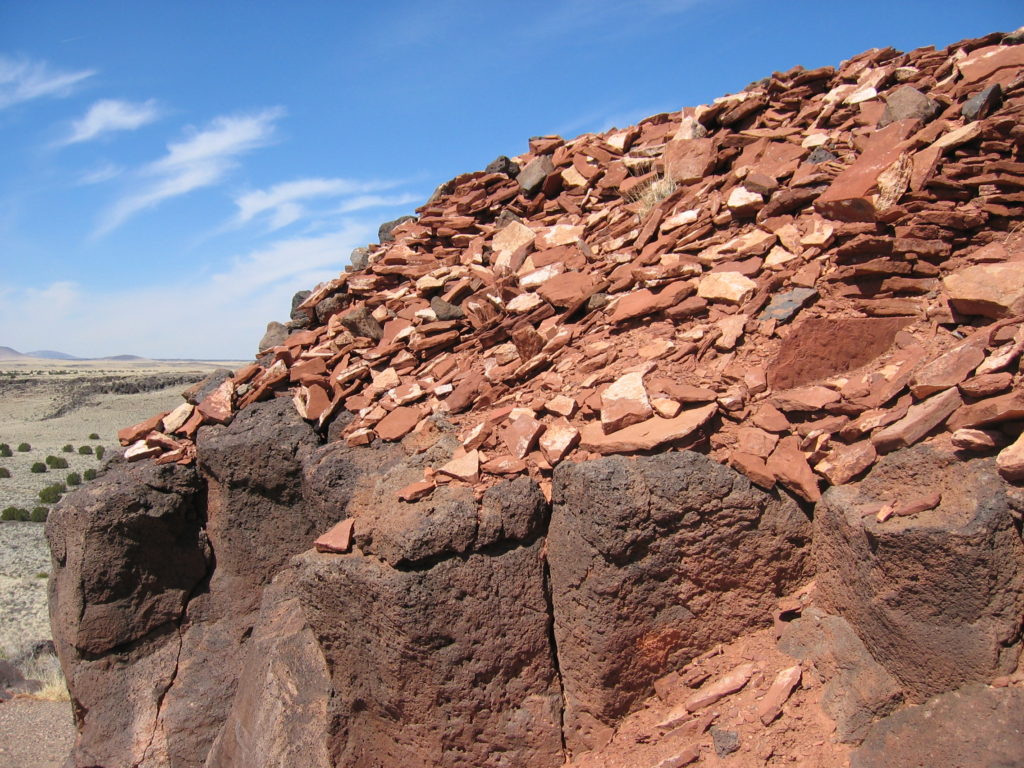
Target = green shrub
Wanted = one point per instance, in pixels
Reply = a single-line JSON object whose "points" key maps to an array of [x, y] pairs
{"points": [[94, 436], [85, 450], [68, 448], [50, 494], [38, 467], [73, 479], [24, 447], [14, 513], [89, 474], [56, 462], [5, 472], [5, 450], [39, 515], [99, 451]]}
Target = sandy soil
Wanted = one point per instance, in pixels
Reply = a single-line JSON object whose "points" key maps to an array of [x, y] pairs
{"points": [[49, 404]]}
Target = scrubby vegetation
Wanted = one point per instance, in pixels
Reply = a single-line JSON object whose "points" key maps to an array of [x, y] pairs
{"points": [[15, 514], [89, 474], [68, 448], [39, 515], [85, 450], [5, 472], [94, 436], [24, 447], [99, 451], [73, 479], [56, 462], [51, 494], [5, 450], [38, 467]]}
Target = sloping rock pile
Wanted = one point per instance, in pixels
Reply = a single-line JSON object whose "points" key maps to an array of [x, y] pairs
{"points": [[798, 278], [554, 441]]}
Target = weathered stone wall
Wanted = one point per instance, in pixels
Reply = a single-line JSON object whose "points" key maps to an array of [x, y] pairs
{"points": [[458, 632]]}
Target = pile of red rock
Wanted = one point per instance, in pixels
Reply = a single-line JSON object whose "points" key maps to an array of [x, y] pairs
{"points": [[824, 267]]}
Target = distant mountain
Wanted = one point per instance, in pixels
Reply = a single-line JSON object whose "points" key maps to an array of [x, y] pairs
{"points": [[122, 357], [49, 354], [6, 353]]}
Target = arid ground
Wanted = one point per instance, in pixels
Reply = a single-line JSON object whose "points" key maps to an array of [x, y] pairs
{"points": [[51, 404]]}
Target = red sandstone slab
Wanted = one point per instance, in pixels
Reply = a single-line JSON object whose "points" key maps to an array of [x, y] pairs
{"points": [[689, 160], [397, 424], [520, 437], [919, 421], [849, 197], [218, 405], [338, 540], [647, 434], [135, 432], [790, 466]]}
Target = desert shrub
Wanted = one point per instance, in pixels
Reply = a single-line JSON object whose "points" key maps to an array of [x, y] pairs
{"points": [[94, 436], [39, 515], [50, 494], [24, 447], [85, 450], [56, 462], [38, 467], [14, 513], [99, 451], [5, 450], [68, 448], [5, 472], [73, 479], [89, 474]]}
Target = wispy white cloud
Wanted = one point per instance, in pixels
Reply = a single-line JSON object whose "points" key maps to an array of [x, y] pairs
{"points": [[100, 174], [111, 115], [201, 160], [26, 79], [222, 316], [362, 202], [283, 204]]}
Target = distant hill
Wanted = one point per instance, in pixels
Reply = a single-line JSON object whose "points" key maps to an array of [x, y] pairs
{"points": [[7, 353], [49, 354]]}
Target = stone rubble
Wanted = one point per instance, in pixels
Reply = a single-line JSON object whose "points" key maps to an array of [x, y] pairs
{"points": [[795, 279]]}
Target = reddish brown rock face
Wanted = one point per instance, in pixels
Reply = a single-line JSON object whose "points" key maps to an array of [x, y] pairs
{"points": [[821, 347], [934, 595], [615, 525]]}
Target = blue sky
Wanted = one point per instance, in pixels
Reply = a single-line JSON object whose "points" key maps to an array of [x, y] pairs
{"points": [[171, 173]]}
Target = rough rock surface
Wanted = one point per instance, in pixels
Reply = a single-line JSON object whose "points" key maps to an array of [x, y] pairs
{"points": [[129, 553], [973, 726], [653, 561], [936, 597]]}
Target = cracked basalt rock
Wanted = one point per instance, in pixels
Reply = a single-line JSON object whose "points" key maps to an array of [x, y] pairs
{"points": [[659, 544]]}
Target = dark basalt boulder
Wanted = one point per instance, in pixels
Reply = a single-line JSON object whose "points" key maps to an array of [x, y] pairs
{"points": [[654, 560]]}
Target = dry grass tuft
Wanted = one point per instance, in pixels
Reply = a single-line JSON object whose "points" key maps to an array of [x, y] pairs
{"points": [[649, 195]]}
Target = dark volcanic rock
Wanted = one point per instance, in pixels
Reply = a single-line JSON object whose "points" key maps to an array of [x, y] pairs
{"points": [[653, 561], [384, 231], [279, 713], [936, 597], [502, 164], [975, 726], [275, 335], [859, 690], [445, 665], [129, 550], [253, 471]]}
